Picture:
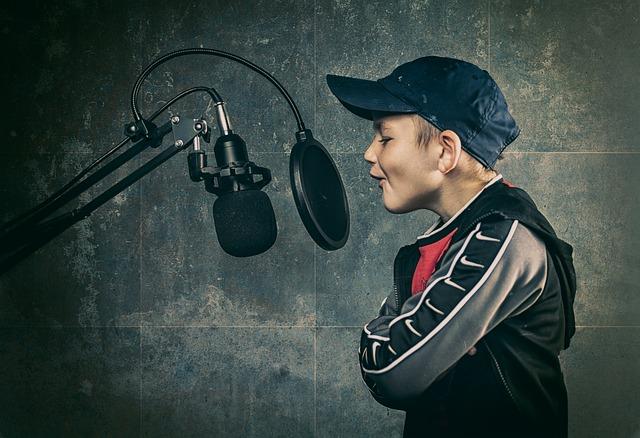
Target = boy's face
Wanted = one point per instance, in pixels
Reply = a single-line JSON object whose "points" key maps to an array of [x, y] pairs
{"points": [[409, 173]]}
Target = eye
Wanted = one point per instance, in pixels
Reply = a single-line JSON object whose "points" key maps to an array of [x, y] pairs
{"points": [[384, 140]]}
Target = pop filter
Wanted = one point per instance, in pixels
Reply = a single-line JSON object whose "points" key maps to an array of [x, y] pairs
{"points": [[318, 192]]}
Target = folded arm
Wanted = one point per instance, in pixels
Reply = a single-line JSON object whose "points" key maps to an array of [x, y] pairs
{"points": [[499, 267]]}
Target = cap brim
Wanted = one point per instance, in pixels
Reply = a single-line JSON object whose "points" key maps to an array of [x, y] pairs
{"points": [[362, 96]]}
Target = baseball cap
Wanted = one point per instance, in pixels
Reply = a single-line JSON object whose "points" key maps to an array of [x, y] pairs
{"points": [[449, 93]]}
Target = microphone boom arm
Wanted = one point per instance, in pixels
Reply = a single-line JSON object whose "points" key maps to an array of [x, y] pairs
{"points": [[25, 238]]}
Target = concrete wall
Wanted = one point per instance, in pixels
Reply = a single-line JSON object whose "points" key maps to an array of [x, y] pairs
{"points": [[134, 322]]}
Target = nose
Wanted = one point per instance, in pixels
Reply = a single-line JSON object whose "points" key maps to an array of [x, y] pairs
{"points": [[370, 154]]}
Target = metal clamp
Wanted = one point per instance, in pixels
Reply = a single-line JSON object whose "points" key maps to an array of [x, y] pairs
{"points": [[188, 132]]}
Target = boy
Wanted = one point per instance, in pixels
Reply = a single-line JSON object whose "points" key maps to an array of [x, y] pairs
{"points": [[490, 278]]}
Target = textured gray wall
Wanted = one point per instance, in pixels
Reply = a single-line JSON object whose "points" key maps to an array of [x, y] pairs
{"points": [[134, 322]]}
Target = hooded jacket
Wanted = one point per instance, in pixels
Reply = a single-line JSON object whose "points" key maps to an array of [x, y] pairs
{"points": [[494, 276]]}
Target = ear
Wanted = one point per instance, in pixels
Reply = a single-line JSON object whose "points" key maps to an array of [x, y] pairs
{"points": [[451, 150]]}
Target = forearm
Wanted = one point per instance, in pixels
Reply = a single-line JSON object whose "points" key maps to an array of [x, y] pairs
{"points": [[401, 356]]}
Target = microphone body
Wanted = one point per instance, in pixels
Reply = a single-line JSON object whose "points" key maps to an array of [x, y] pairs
{"points": [[243, 215]]}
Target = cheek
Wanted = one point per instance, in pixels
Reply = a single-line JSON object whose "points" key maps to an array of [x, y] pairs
{"points": [[410, 181], [392, 164], [400, 166]]}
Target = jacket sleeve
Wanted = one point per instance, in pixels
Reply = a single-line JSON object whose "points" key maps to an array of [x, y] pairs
{"points": [[496, 271]]}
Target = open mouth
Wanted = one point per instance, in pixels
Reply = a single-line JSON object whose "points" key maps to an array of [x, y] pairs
{"points": [[380, 179]]}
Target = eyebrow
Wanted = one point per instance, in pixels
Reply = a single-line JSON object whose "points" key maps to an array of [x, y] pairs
{"points": [[378, 124]]}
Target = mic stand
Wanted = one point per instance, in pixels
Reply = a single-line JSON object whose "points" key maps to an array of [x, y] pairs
{"points": [[20, 240], [23, 235]]}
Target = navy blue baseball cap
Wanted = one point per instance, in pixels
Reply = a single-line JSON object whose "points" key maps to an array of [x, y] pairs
{"points": [[449, 93]]}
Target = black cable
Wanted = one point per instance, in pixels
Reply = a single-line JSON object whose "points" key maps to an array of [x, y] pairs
{"points": [[205, 51], [209, 90], [25, 216]]}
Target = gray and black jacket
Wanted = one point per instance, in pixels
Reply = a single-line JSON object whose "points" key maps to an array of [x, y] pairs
{"points": [[506, 285]]}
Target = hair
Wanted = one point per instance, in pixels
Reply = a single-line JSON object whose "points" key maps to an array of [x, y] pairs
{"points": [[426, 133]]}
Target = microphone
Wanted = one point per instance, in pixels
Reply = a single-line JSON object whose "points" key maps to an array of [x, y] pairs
{"points": [[244, 220], [243, 215]]}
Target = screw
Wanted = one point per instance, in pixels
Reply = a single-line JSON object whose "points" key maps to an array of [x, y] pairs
{"points": [[175, 119], [198, 126], [179, 143]]}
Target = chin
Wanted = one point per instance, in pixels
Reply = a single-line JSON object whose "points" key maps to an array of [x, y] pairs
{"points": [[398, 209], [398, 206]]}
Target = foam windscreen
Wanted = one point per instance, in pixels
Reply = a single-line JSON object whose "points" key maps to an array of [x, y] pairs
{"points": [[245, 222]]}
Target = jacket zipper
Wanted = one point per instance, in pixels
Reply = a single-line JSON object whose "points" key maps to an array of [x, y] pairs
{"points": [[398, 265], [395, 291], [395, 283], [396, 273], [504, 382]]}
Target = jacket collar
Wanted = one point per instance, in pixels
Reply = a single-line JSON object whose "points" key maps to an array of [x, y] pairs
{"points": [[438, 230]]}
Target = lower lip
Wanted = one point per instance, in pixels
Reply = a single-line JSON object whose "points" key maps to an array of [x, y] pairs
{"points": [[381, 181]]}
